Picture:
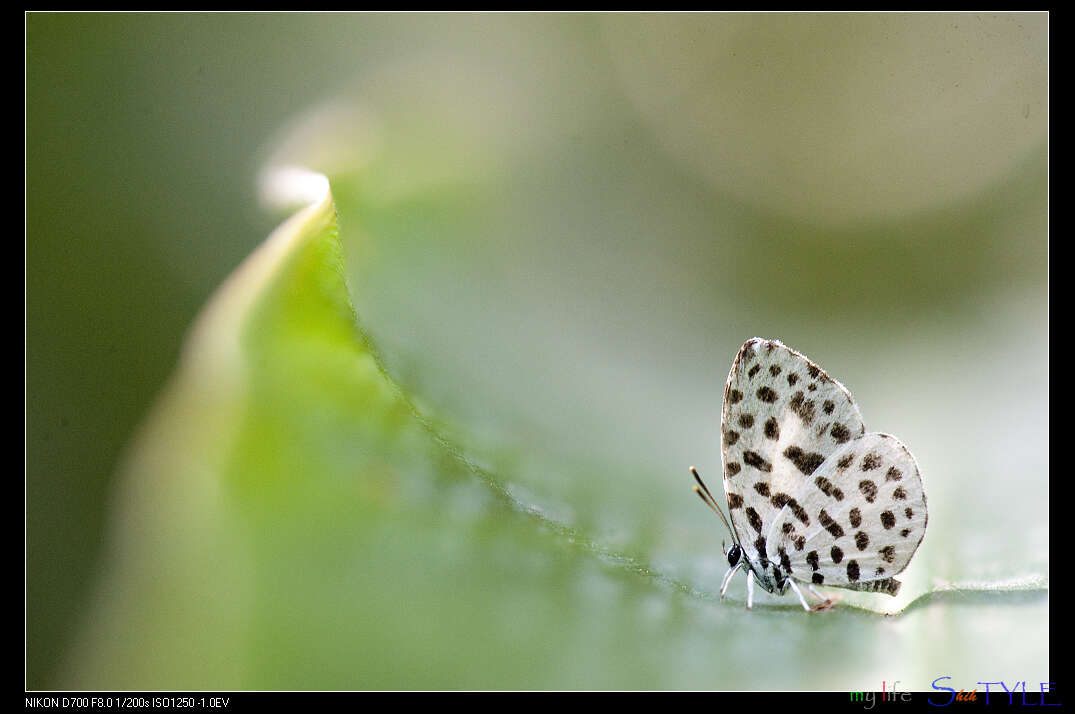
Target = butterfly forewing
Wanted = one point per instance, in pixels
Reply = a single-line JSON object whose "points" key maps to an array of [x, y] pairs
{"points": [[782, 418]]}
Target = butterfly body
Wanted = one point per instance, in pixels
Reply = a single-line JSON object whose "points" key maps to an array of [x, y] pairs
{"points": [[812, 496], [766, 573]]}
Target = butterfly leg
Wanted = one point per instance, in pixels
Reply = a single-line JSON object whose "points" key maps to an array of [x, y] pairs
{"points": [[799, 593], [825, 604], [750, 591], [728, 578]]}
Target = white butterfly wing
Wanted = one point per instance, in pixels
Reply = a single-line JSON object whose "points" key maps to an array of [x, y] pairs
{"points": [[867, 515], [783, 416]]}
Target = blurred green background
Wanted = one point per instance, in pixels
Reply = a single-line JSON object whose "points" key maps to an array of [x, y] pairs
{"points": [[557, 230]]}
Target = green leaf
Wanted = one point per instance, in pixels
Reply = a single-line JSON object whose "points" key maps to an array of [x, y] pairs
{"points": [[289, 518]]}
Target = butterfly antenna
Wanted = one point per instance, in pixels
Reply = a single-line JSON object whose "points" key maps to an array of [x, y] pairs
{"points": [[707, 499]]}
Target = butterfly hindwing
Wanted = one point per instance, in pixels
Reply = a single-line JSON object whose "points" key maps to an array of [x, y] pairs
{"points": [[867, 514]]}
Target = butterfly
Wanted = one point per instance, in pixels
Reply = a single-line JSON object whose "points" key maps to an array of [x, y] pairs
{"points": [[812, 497]]}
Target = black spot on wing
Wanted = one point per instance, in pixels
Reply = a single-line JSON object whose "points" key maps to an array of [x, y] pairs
{"points": [[772, 429], [852, 571], [829, 524], [871, 461], [799, 512], [780, 499], [888, 586], [802, 407], [828, 489], [806, 462], [752, 458], [766, 394], [840, 433], [785, 561], [754, 518]]}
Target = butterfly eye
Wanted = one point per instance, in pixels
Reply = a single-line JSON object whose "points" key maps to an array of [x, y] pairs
{"points": [[734, 554]]}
